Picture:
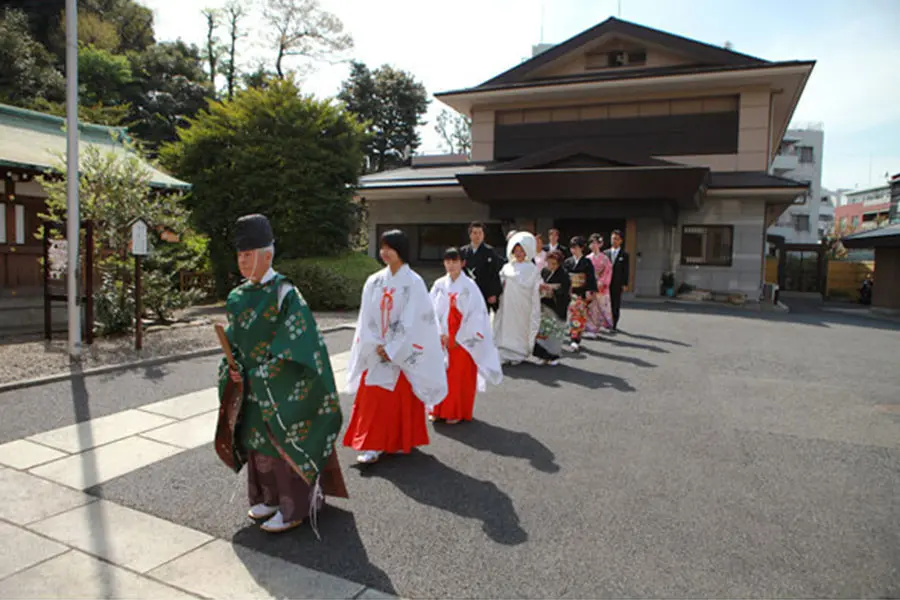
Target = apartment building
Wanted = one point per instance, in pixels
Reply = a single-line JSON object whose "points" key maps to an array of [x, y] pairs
{"points": [[799, 157]]}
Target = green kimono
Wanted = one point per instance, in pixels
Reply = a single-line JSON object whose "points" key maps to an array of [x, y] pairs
{"points": [[291, 409]]}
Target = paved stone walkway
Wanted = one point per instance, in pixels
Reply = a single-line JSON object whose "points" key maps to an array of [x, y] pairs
{"points": [[58, 541]]}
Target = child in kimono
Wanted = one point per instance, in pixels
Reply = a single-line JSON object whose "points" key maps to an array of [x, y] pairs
{"points": [[290, 415], [584, 284], [466, 337], [396, 364]]}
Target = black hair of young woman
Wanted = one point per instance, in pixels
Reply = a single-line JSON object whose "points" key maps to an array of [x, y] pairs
{"points": [[396, 240], [452, 254], [577, 241], [596, 237]]}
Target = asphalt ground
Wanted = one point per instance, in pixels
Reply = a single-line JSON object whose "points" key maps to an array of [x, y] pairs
{"points": [[702, 453], [32, 410]]}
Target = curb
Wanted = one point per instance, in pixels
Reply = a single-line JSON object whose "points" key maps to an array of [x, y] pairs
{"points": [[135, 364]]}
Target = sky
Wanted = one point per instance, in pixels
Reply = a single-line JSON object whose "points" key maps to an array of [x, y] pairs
{"points": [[462, 43]]}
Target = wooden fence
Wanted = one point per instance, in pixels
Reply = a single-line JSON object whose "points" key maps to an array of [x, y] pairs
{"points": [[845, 277], [771, 269]]}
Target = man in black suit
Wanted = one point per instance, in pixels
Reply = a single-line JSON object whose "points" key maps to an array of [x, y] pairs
{"points": [[620, 271], [553, 236], [483, 265]]}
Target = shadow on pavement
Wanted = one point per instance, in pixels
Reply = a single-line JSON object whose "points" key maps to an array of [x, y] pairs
{"points": [[802, 312], [428, 481], [99, 528], [341, 552], [564, 373], [480, 435], [623, 344], [638, 362], [650, 338]]}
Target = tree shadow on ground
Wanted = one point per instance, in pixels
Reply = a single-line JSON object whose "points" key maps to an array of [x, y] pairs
{"points": [[502, 442], [426, 480], [556, 376], [340, 553]]}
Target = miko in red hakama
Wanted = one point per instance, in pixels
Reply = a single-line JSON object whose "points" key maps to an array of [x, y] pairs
{"points": [[386, 421], [462, 374], [392, 396]]}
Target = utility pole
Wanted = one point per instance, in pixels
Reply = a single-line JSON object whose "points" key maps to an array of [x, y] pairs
{"points": [[620, 9], [73, 214]]}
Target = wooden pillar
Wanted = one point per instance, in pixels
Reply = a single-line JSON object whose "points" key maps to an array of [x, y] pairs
{"points": [[631, 249], [9, 194]]}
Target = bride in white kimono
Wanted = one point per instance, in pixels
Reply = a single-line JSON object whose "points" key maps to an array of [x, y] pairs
{"points": [[519, 316]]}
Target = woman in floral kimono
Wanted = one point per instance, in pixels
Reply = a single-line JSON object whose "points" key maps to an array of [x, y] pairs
{"points": [[599, 314], [466, 336], [554, 309], [581, 274], [396, 364], [517, 322]]}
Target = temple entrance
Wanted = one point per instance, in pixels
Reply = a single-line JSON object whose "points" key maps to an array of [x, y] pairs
{"points": [[585, 227]]}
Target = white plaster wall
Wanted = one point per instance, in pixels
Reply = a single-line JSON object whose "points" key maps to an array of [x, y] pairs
{"points": [[745, 274]]}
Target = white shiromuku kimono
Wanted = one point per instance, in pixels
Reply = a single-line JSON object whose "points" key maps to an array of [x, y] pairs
{"points": [[474, 334], [517, 321], [397, 312]]}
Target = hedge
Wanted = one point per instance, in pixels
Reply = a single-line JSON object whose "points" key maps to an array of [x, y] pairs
{"points": [[330, 282]]}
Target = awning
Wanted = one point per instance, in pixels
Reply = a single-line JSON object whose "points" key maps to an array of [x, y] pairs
{"points": [[682, 186], [882, 237]]}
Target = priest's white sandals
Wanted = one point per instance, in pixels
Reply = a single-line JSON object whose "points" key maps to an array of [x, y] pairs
{"points": [[261, 511], [277, 524]]}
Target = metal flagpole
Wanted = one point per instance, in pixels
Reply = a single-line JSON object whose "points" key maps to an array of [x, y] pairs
{"points": [[73, 214]]}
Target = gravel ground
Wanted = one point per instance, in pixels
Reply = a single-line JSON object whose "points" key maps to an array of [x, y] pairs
{"points": [[28, 358]]}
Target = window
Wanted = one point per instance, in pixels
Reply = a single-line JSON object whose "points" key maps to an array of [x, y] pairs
{"points": [[20, 224], [434, 239], [710, 245], [801, 222], [625, 59], [806, 154], [2, 223], [856, 221]]}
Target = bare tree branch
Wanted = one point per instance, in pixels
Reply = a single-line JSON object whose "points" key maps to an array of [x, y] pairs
{"points": [[303, 28]]}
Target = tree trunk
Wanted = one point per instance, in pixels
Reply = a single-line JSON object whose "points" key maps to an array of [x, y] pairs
{"points": [[278, 61]]}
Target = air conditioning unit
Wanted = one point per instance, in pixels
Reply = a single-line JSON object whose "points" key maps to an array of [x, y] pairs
{"points": [[770, 293]]}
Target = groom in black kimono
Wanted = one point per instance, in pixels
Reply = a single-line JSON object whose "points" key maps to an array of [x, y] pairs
{"points": [[483, 265]]}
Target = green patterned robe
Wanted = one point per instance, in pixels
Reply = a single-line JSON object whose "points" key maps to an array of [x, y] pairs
{"points": [[291, 408]]}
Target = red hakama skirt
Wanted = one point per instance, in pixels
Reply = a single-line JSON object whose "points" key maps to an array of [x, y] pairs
{"points": [[462, 379], [386, 421]]}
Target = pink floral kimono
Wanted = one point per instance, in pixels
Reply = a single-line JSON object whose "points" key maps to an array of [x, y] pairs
{"points": [[599, 311]]}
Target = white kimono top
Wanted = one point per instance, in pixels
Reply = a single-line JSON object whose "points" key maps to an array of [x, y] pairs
{"points": [[396, 312], [474, 335]]}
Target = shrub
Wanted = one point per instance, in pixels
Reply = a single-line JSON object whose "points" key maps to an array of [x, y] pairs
{"points": [[273, 151], [331, 282]]}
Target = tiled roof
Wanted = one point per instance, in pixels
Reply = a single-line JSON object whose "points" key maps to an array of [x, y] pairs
{"points": [[430, 176], [36, 141]]}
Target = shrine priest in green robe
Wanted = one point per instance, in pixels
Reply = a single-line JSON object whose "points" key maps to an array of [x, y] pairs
{"points": [[290, 415]]}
